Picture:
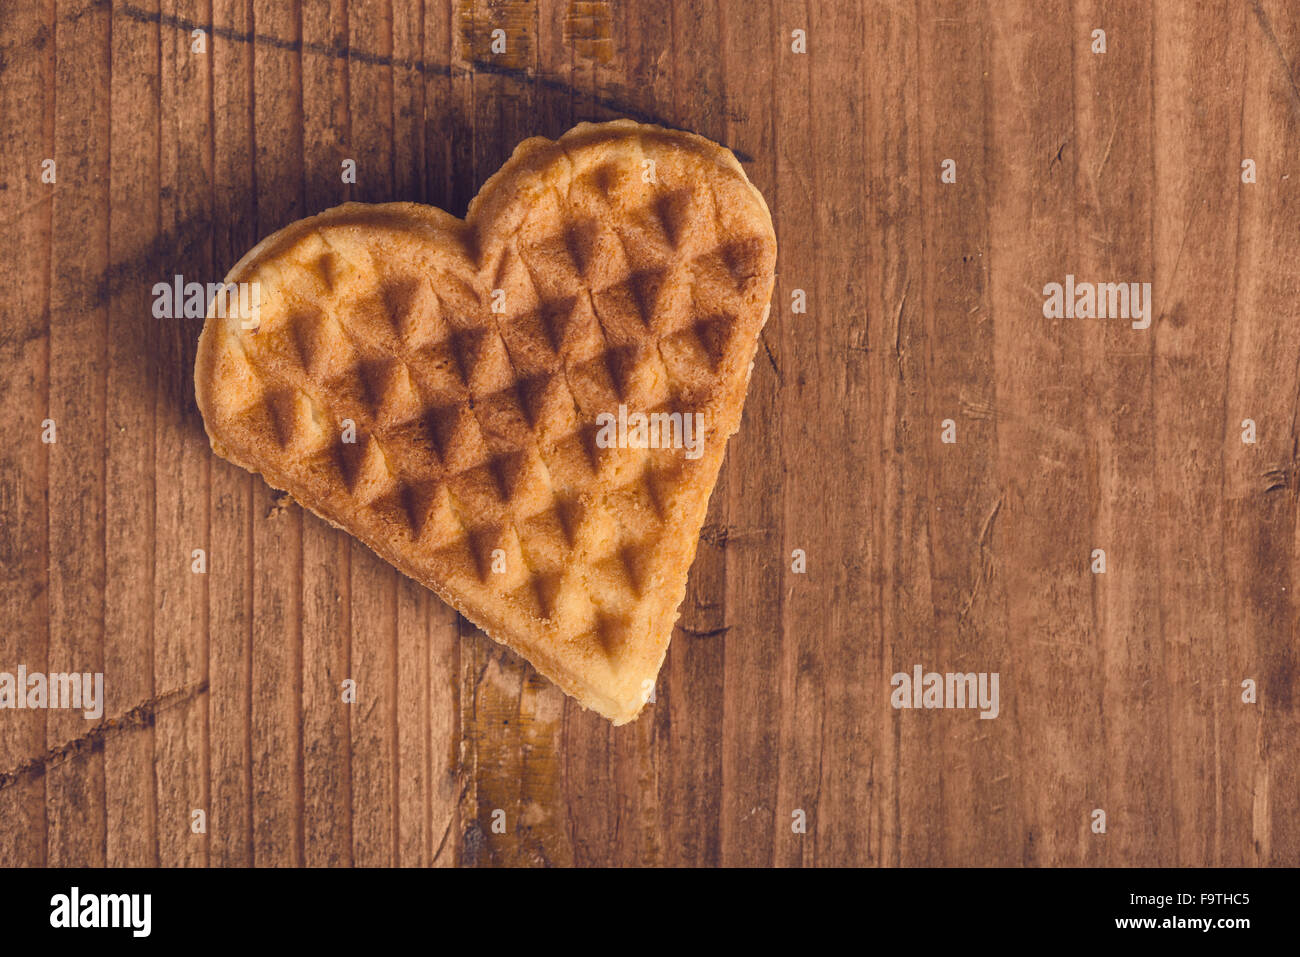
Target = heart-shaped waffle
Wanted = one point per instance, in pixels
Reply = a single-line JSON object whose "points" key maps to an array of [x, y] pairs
{"points": [[444, 389]]}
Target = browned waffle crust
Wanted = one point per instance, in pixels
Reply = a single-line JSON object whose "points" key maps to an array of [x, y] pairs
{"points": [[472, 359]]}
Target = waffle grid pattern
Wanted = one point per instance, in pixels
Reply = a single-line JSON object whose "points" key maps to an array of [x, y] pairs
{"points": [[469, 361], [474, 429]]}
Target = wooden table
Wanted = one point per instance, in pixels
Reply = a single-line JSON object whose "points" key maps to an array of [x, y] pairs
{"points": [[1120, 691]]}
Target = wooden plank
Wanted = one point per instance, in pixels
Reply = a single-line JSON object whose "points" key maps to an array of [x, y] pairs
{"points": [[834, 516], [1198, 185], [181, 454], [326, 619], [27, 132], [1045, 531], [129, 545], [757, 567], [230, 554], [962, 631], [443, 144], [800, 526], [689, 693], [79, 238], [416, 784], [1260, 535], [1137, 790], [1232, 737], [276, 718], [407, 79], [374, 583], [895, 335]]}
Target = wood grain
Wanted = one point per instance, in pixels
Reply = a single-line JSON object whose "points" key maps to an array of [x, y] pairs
{"points": [[1120, 691]]}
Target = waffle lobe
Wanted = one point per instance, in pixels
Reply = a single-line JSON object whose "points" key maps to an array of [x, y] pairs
{"points": [[470, 360]]}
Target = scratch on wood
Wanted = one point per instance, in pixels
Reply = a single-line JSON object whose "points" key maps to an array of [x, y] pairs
{"points": [[1267, 26], [986, 561], [482, 673], [772, 359], [704, 633], [141, 716], [35, 204], [988, 522], [451, 819], [975, 409], [898, 321], [1059, 150], [720, 536], [1110, 142]]}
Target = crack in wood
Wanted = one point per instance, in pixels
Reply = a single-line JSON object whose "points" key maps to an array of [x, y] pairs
{"points": [[141, 716], [986, 561], [1266, 25], [704, 633], [780, 378]]}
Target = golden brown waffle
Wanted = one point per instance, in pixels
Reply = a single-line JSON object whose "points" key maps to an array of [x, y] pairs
{"points": [[472, 360]]}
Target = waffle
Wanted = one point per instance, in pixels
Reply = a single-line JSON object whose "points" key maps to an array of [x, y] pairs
{"points": [[435, 387]]}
